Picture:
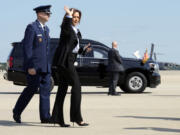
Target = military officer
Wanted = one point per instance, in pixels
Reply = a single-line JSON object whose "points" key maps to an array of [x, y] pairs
{"points": [[36, 44]]}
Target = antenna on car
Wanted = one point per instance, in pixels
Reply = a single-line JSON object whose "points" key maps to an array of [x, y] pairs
{"points": [[152, 50], [155, 57]]}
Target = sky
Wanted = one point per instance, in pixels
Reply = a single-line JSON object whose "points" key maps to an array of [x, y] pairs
{"points": [[134, 24]]}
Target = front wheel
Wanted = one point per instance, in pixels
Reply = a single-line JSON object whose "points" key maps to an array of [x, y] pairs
{"points": [[135, 82]]}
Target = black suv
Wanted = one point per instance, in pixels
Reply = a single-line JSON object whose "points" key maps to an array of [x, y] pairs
{"points": [[92, 68]]}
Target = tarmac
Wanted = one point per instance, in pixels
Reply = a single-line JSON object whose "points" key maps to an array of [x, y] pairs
{"points": [[154, 112]]}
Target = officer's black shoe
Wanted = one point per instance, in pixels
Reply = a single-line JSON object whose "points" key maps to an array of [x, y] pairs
{"points": [[17, 118], [45, 121]]}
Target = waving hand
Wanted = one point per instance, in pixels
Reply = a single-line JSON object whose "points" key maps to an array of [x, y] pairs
{"points": [[68, 11]]}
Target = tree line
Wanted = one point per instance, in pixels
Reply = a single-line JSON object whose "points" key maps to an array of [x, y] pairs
{"points": [[2, 66]]}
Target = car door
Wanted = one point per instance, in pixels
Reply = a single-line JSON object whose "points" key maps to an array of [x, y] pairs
{"points": [[92, 67]]}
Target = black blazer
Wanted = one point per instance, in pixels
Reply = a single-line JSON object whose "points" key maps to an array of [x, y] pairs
{"points": [[114, 61], [67, 42]]}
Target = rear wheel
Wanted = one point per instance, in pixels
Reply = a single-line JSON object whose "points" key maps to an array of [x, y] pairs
{"points": [[135, 82], [52, 84]]}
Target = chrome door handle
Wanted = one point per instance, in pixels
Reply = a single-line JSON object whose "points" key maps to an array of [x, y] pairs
{"points": [[95, 62]]}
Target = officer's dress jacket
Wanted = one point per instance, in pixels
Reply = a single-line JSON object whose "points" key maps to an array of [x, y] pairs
{"points": [[36, 47]]}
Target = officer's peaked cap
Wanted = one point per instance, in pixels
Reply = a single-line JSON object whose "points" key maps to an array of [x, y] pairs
{"points": [[45, 8]]}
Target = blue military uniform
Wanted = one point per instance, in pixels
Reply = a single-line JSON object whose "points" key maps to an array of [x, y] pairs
{"points": [[36, 46]]}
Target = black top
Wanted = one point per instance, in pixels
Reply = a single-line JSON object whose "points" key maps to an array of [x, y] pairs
{"points": [[67, 42]]}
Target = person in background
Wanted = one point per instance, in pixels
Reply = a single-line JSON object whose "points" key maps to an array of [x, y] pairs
{"points": [[114, 67], [36, 44]]}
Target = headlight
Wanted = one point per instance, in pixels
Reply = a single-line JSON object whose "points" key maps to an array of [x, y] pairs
{"points": [[154, 67]]}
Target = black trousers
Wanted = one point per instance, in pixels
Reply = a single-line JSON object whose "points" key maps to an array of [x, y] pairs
{"points": [[68, 76], [113, 81]]}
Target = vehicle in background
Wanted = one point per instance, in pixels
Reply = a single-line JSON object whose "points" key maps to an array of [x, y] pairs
{"points": [[92, 68]]}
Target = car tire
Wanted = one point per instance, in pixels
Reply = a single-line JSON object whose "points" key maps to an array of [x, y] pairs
{"points": [[135, 82]]}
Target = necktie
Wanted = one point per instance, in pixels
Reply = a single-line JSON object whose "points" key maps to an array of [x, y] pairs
{"points": [[45, 32]]}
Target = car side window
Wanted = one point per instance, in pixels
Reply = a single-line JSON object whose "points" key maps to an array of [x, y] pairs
{"points": [[96, 52], [87, 54], [100, 53]]}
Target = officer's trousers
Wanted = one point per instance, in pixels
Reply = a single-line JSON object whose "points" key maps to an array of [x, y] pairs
{"points": [[67, 76], [41, 81]]}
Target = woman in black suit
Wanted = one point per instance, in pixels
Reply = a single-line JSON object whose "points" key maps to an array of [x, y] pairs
{"points": [[64, 59]]}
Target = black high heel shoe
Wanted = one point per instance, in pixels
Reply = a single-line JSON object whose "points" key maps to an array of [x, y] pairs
{"points": [[80, 123], [61, 124]]}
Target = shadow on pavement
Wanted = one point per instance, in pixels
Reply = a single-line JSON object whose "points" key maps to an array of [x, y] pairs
{"points": [[144, 117], [9, 93], [6, 93], [138, 93], [167, 95], [155, 129], [12, 123], [7, 123], [12, 93]]}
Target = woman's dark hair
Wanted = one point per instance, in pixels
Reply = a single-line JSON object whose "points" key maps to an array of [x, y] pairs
{"points": [[75, 10]]}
